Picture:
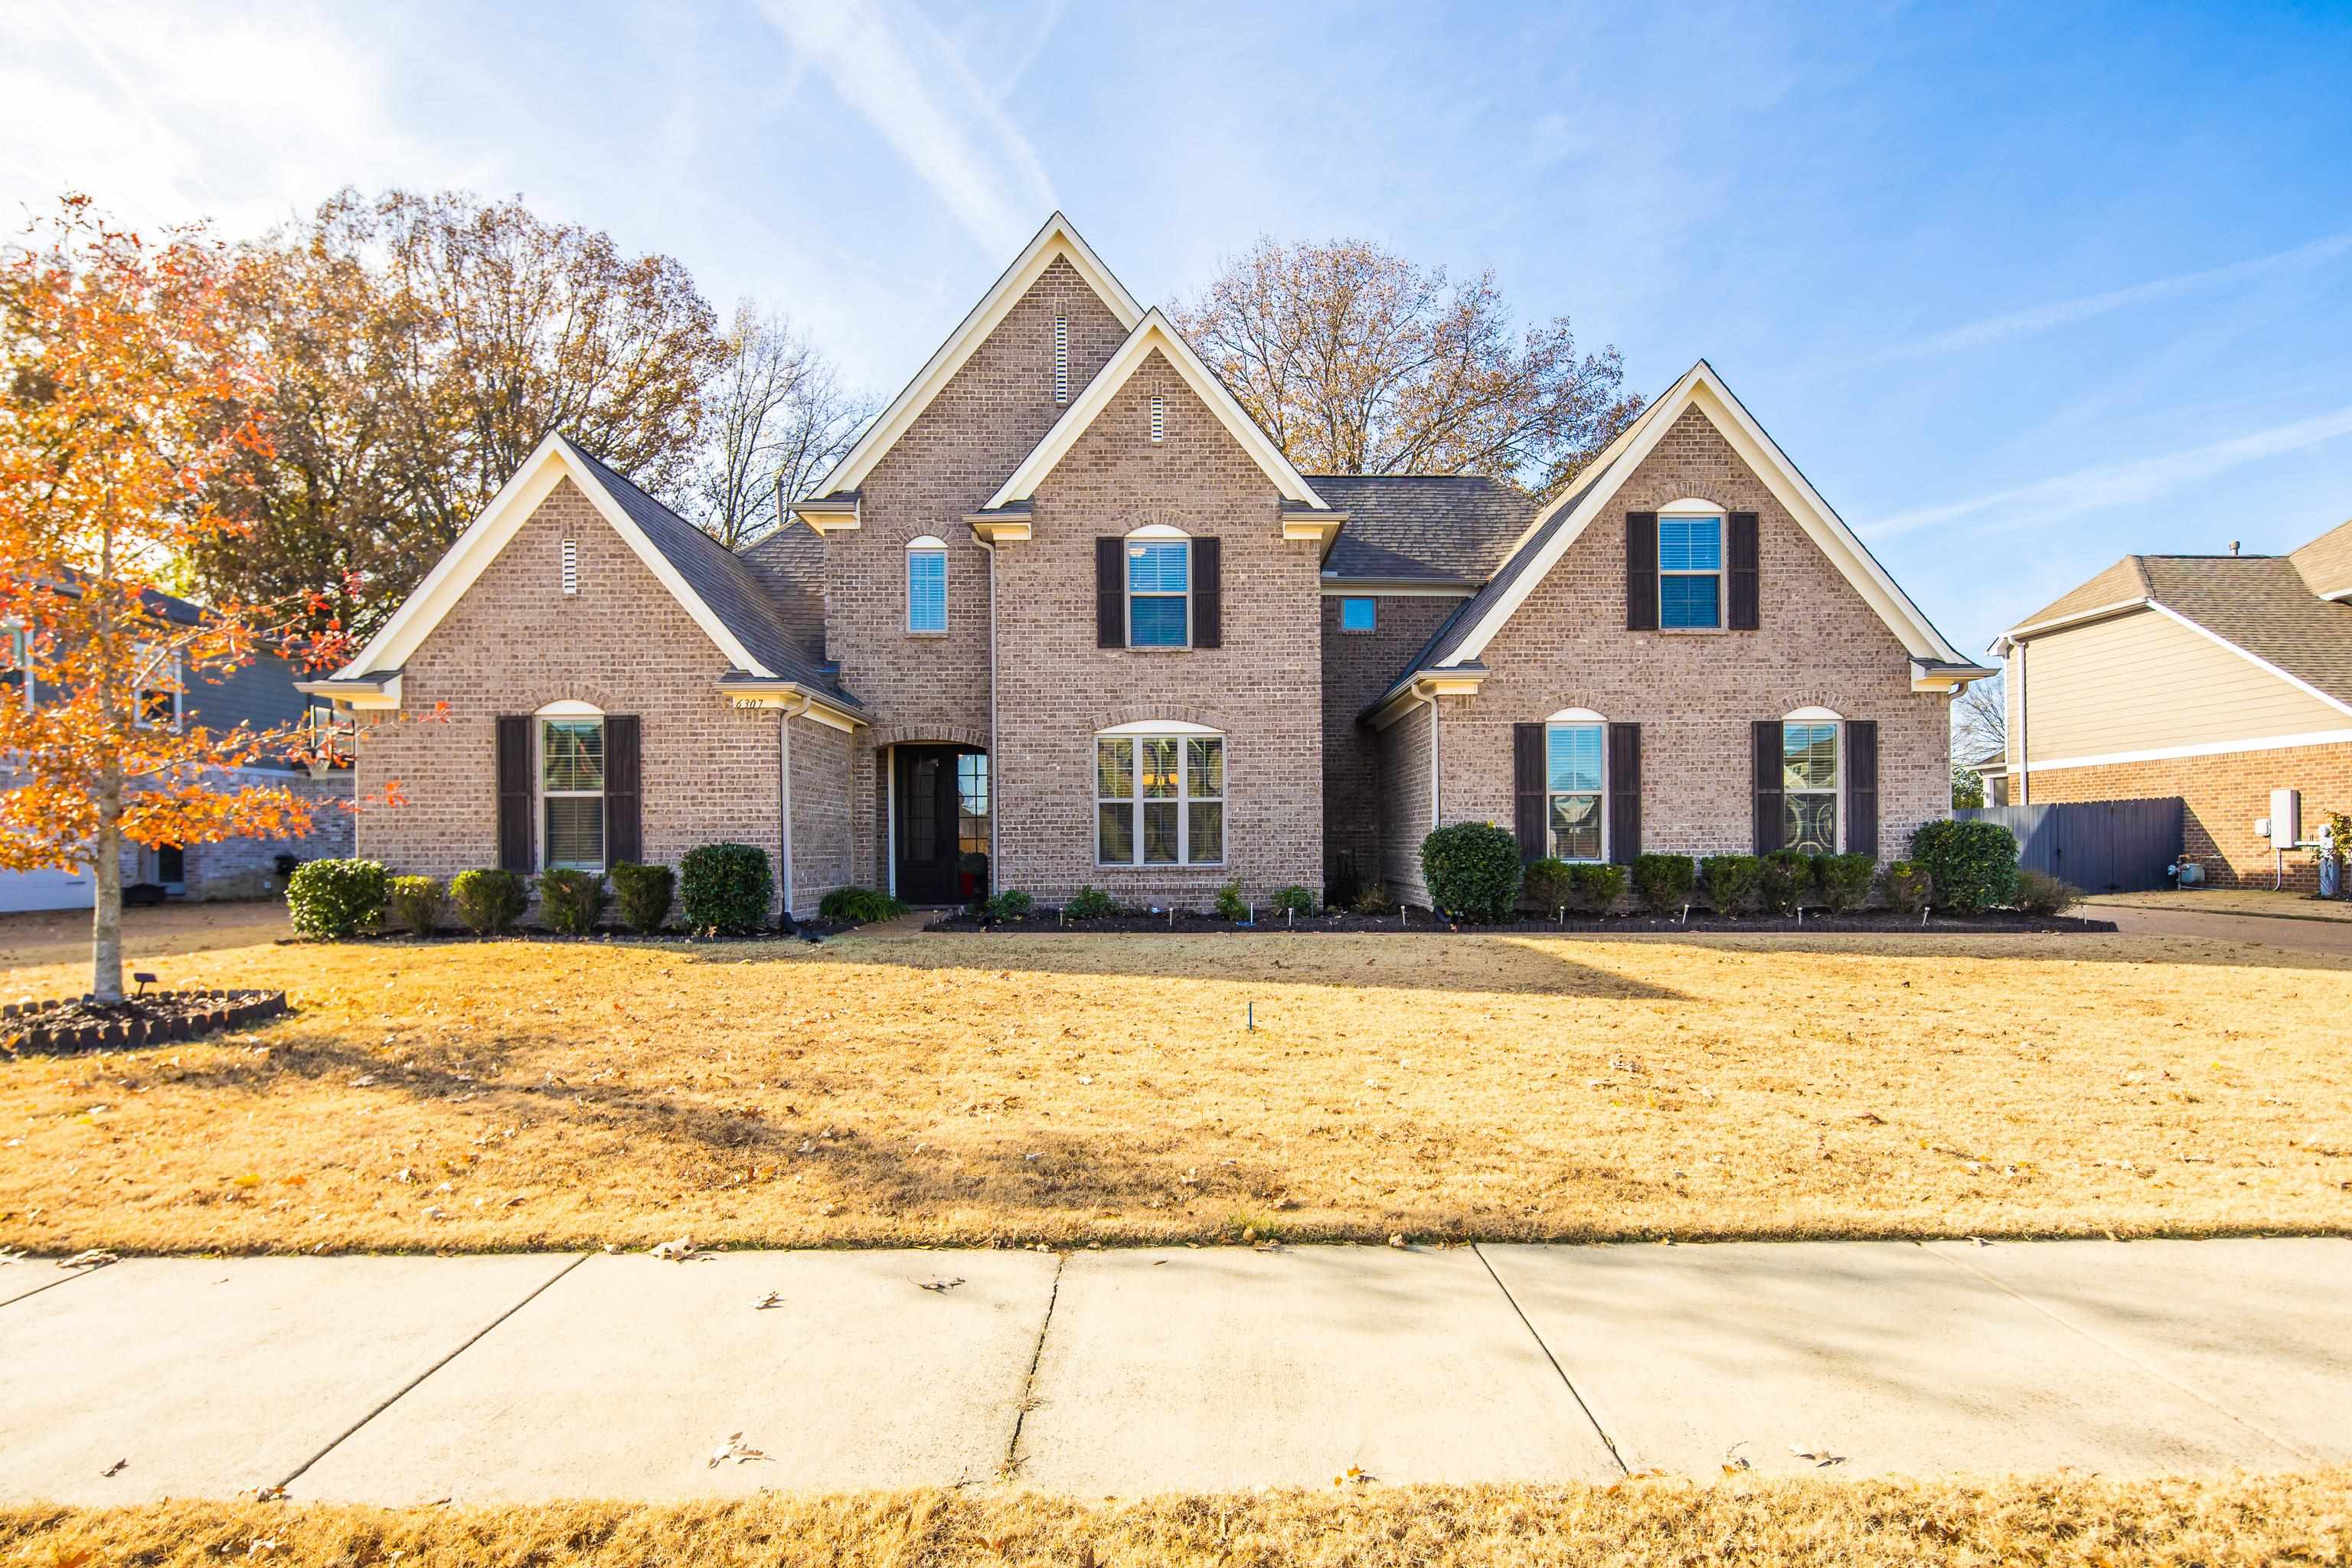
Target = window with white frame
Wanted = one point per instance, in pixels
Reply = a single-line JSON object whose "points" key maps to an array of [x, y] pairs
{"points": [[1690, 568], [1158, 588], [1808, 781], [571, 788], [155, 701], [20, 659], [927, 586], [1160, 798], [1575, 785]]}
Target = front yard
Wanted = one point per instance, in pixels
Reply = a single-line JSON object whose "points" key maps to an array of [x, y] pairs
{"points": [[949, 1088]]}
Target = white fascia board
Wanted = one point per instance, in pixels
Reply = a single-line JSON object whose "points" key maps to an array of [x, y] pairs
{"points": [[549, 464], [2071, 618], [1057, 240], [2306, 688], [2206, 749], [1702, 389], [1154, 331]]}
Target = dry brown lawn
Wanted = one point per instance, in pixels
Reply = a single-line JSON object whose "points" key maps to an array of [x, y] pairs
{"points": [[2228, 1523], [939, 1088], [2227, 901]]}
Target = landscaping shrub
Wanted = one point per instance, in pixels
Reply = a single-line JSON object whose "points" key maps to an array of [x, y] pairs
{"points": [[489, 902], [571, 900], [1663, 882], [1547, 884], [1294, 900], [860, 906], [1089, 904], [1472, 870], [1011, 904], [1374, 900], [2040, 893], [644, 894], [1973, 865], [1784, 878], [1908, 887], [336, 899], [1230, 904], [726, 889], [1595, 889], [418, 903], [1731, 881], [1845, 881]]}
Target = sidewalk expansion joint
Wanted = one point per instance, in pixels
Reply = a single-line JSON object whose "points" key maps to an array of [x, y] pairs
{"points": [[1565, 1381], [1011, 1464], [66, 1279]]}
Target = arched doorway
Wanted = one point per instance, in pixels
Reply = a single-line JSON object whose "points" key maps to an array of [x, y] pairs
{"points": [[940, 826]]}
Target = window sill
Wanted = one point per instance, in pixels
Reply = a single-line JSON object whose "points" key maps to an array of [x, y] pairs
{"points": [[1159, 866], [912, 633], [1692, 631]]}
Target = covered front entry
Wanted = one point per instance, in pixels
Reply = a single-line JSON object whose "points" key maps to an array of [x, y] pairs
{"points": [[940, 824]]}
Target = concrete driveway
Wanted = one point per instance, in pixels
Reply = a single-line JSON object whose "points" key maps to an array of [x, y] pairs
{"points": [[405, 1380], [2303, 934]]}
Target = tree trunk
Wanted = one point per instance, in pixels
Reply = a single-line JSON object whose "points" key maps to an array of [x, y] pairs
{"points": [[105, 904]]}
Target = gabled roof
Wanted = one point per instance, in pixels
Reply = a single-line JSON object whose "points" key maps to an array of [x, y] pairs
{"points": [[1438, 527], [2326, 563], [1056, 241], [1465, 634], [1153, 334], [2121, 586], [714, 588]]}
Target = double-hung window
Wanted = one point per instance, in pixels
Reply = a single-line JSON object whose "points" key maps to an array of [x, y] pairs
{"points": [[572, 792], [1159, 800], [1158, 593], [927, 586], [1809, 786], [1690, 573], [1572, 785]]}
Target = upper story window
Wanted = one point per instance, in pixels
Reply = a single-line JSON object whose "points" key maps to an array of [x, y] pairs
{"points": [[1359, 615], [1808, 781], [1575, 785], [927, 586], [1690, 568], [1158, 588], [572, 786], [1159, 795], [20, 660], [156, 703]]}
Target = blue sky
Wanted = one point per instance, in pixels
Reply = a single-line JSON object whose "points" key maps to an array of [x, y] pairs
{"points": [[2022, 287]]}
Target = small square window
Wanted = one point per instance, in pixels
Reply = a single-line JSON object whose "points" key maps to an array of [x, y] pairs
{"points": [[1359, 615]]}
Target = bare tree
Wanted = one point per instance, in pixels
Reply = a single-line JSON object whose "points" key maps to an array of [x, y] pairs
{"points": [[1979, 721], [1358, 362], [775, 419]]}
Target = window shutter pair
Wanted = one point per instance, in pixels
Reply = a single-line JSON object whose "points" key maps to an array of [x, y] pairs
{"points": [[1531, 798], [1207, 590], [1858, 779], [623, 792], [1742, 586]]}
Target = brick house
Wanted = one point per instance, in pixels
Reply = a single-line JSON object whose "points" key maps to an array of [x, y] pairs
{"points": [[1066, 616], [2217, 679]]}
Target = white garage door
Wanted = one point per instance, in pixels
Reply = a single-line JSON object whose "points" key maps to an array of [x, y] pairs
{"points": [[44, 891]]}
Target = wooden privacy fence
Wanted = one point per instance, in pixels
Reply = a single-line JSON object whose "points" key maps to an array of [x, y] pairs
{"points": [[2100, 846]]}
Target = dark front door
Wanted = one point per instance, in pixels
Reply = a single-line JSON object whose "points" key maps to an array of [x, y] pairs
{"points": [[934, 820]]}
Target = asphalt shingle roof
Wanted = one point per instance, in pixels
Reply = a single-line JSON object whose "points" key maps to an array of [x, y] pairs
{"points": [[1439, 527], [2326, 562]]}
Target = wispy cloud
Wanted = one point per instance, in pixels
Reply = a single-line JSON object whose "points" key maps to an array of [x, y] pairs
{"points": [[2065, 312], [889, 63], [2119, 484]]}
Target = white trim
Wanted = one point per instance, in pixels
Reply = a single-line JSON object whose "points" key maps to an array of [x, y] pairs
{"points": [[2072, 618], [1812, 716], [550, 463], [1057, 240], [569, 708], [1159, 727], [1691, 506], [890, 816], [1577, 719], [2208, 749], [1153, 332], [1702, 389], [926, 542], [1837, 790], [1158, 531], [1183, 800], [2259, 662], [1576, 716], [1341, 588]]}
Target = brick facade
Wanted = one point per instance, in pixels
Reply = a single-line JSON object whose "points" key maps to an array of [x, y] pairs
{"points": [[1357, 668], [2222, 795]]}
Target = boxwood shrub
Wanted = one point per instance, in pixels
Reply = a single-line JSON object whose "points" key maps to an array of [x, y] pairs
{"points": [[1787, 876], [1973, 865], [726, 889], [1731, 881], [1472, 870], [643, 895], [335, 900], [419, 903], [489, 902], [1089, 904], [1908, 887], [1595, 889], [571, 900], [1548, 884], [1663, 882], [1845, 881]]}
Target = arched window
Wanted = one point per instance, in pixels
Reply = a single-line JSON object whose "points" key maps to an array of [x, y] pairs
{"points": [[572, 786], [1158, 587], [1811, 759], [1576, 784], [1160, 795], [927, 585]]}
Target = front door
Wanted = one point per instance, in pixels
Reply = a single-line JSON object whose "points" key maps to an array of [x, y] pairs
{"points": [[932, 785]]}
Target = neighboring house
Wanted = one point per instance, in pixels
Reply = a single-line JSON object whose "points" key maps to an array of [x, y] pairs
{"points": [[259, 693], [2214, 677], [1066, 617]]}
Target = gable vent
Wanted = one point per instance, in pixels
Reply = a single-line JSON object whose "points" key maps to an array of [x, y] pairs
{"points": [[1159, 418], [1061, 358], [571, 567]]}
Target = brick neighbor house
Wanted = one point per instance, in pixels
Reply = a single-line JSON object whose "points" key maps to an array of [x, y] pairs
{"points": [[2214, 677], [1066, 617]]}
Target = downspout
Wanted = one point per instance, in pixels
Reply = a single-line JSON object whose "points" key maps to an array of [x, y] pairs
{"points": [[995, 784], [1436, 816], [784, 794], [2024, 759]]}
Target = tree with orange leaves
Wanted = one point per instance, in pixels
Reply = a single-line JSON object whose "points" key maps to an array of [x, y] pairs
{"points": [[123, 394]]}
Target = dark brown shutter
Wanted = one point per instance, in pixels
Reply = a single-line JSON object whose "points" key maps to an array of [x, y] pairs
{"points": [[1624, 792], [1862, 787], [1640, 571], [1111, 592], [514, 793], [1743, 563], [1208, 594], [624, 831], [1528, 789], [1769, 761]]}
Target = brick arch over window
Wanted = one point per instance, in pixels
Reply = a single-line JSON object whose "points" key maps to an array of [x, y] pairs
{"points": [[1160, 713], [931, 735], [602, 699]]}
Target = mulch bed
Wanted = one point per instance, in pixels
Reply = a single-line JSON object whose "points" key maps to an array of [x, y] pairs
{"points": [[54, 1029], [606, 934], [1873, 923]]}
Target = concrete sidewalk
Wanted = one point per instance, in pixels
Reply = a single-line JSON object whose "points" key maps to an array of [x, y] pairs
{"points": [[407, 1380]]}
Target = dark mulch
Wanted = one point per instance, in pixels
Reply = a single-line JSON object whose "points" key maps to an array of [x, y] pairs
{"points": [[83, 1025], [807, 928], [1875, 922]]}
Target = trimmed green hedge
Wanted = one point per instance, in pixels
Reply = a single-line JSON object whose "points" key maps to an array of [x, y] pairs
{"points": [[1845, 881], [1548, 884], [643, 895], [1908, 887], [489, 902], [1472, 870], [1594, 889], [726, 889], [335, 900], [1731, 882], [1973, 865], [570, 900], [1663, 882], [419, 903], [1787, 876]]}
